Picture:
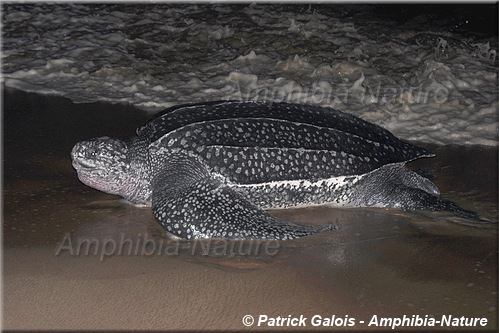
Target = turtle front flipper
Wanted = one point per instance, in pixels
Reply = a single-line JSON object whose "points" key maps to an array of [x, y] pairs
{"points": [[190, 203]]}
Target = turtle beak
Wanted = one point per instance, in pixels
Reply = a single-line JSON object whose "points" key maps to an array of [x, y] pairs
{"points": [[75, 152], [97, 153], [78, 157], [79, 150], [80, 164], [85, 149]]}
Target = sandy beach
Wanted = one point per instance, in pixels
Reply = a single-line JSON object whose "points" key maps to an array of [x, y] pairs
{"points": [[78, 259]]}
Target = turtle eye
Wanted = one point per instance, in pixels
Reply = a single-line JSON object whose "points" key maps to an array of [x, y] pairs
{"points": [[92, 152]]}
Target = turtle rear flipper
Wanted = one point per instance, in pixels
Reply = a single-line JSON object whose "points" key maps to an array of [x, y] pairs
{"points": [[190, 203], [417, 199], [398, 187]]}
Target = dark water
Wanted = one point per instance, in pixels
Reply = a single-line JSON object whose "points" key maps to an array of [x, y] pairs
{"points": [[379, 262], [479, 20]]}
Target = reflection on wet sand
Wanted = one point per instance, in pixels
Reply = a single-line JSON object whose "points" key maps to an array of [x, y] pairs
{"points": [[128, 274]]}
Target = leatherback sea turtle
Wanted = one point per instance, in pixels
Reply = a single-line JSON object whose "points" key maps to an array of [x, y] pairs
{"points": [[210, 170]]}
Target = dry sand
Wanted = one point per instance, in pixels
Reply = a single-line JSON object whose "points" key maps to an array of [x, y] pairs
{"points": [[379, 262]]}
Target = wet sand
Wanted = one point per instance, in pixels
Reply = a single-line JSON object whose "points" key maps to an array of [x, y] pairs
{"points": [[76, 258]]}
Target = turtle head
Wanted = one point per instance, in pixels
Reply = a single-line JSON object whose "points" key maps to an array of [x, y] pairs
{"points": [[105, 164]]}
